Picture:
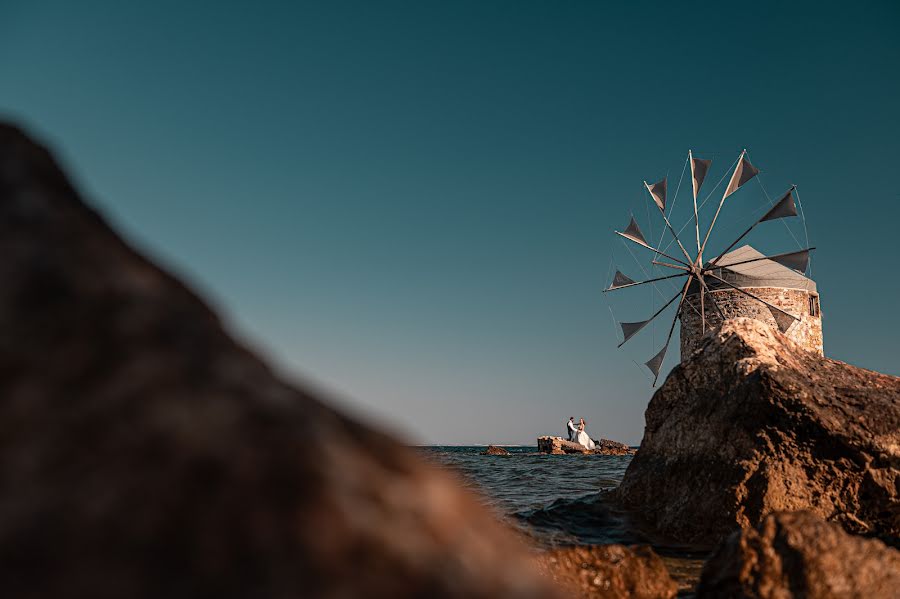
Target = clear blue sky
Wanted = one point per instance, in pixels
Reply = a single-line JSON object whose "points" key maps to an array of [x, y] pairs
{"points": [[410, 204]]}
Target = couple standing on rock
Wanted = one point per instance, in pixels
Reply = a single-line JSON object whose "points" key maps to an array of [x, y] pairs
{"points": [[577, 434]]}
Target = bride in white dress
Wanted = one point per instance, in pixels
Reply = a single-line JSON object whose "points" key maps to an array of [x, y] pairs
{"points": [[582, 437]]}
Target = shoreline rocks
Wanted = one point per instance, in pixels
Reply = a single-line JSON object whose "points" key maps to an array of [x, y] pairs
{"points": [[609, 571], [147, 454], [797, 554], [559, 446], [751, 424]]}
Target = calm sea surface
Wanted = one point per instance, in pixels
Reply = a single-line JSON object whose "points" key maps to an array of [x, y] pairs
{"points": [[560, 500], [555, 498]]}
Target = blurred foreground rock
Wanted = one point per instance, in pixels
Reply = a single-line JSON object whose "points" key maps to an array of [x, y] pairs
{"points": [[560, 446], [752, 424], [609, 571], [143, 453], [796, 554]]}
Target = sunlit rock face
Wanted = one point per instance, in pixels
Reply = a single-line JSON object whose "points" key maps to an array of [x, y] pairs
{"points": [[796, 554], [144, 453], [753, 423]]}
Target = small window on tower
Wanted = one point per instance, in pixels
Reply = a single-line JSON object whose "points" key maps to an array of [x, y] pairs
{"points": [[813, 305]]}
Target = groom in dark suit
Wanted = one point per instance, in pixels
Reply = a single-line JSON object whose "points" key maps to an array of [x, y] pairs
{"points": [[572, 429]]}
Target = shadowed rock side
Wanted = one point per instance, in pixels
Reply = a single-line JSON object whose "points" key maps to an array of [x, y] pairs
{"points": [[144, 454], [610, 572], [752, 424], [796, 554]]}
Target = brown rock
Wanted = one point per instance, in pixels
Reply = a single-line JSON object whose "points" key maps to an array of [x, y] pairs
{"points": [[607, 447], [796, 554], [609, 571], [494, 450], [754, 424], [559, 446], [143, 453]]}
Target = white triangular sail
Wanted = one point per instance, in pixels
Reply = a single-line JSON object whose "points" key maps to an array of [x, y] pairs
{"points": [[699, 168], [633, 232], [798, 261], [783, 209], [655, 363], [620, 280], [782, 319], [743, 172], [658, 193], [630, 329]]}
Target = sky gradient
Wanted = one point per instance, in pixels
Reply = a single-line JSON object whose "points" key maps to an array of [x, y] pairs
{"points": [[410, 205]]}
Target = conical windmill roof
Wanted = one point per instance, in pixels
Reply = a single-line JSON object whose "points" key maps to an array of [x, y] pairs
{"points": [[762, 273]]}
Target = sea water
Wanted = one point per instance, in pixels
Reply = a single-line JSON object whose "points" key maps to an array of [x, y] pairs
{"points": [[560, 500]]}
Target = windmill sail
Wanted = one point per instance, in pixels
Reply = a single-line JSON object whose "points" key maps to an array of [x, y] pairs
{"points": [[783, 209], [633, 232], [620, 280], [658, 192], [743, 172], [630, 329], [656, 361], [699, 168], [782, 319], [796, 260]]}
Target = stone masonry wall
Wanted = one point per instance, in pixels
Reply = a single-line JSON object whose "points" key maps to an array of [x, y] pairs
{"points": [[807, 332]]}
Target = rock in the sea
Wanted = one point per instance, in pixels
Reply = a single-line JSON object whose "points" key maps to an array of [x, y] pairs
{"points": [[752, 424], [797, 554], [607, 447], [560, 446], [494, 450], [609, 571], [144, 453]]}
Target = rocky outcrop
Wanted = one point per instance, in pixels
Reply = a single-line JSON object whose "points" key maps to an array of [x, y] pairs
{"points": [[609, 571], [607, 447], [494, 450], [144, 453], [796, 554], [560, 446], [752, 424]]}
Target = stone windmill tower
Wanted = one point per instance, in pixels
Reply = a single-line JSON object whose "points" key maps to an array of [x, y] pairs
{"points": [[746, 281], [738, 283]]}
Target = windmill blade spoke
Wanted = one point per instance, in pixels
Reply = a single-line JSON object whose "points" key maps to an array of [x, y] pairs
{"points": [[652, 249], [658, 263], [747, 293], [712, 298], [675, 235], [655, 363], [630, 329], [743, 172], [699, 168], [797, 260], [783, 209], [622, 282]]}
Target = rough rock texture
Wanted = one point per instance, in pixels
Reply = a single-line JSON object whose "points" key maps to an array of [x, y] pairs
{"points": [[609, 571], [796, 554], [752, 424], [806, 332], [494, 450], [560, 446], [607, 447], [143, 453]]}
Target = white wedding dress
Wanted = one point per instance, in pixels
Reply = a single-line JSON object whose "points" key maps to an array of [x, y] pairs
{"points": [[584, 439]]}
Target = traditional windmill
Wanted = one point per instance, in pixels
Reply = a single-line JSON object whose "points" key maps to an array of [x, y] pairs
{"points": [[734, 283]]}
